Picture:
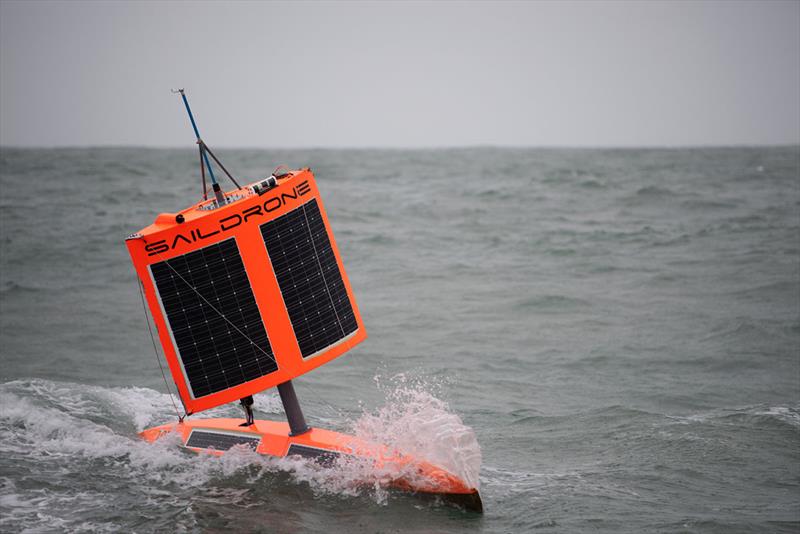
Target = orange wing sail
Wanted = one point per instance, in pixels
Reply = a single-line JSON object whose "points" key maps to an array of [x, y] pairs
{"points": [[248, 294]]}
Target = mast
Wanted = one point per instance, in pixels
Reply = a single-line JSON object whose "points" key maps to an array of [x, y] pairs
{"points": [[297, 421], [203, 152]]}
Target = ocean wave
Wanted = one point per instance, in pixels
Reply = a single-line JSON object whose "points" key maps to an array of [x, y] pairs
{"points": [[654, 191], [742, 328], [552, 303], [593, 184], [9, 287], [706, 204], [72, 432], [755, 415], [608, 415]]}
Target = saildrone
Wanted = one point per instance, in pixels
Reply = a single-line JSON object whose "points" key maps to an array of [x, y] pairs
{"points": [[248, 291]]}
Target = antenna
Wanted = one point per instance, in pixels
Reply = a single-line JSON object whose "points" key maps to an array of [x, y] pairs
{"points": [[214, 185]]}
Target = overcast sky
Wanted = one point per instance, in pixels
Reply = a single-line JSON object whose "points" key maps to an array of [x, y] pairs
{"points": [[338, 74]]}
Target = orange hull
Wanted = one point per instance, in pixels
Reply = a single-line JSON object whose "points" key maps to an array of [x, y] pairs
{"points": [[215, 436]]}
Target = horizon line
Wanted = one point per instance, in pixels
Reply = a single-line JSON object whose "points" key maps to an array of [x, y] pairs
{"points": [[795, 144]]}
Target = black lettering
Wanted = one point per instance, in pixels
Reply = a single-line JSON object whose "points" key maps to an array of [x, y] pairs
{"points": [[177, 237], [201, 236], [236, 217], [156, 248], [284, 196], [252, 210], [273, 199], [303, 188]]}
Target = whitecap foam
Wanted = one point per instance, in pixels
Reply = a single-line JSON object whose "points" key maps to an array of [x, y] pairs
{"points": [[64, 429], [415, 422], [786, 414]]}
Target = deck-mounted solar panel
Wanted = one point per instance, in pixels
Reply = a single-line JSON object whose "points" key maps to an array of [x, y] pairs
{"points": [[322, 457], [219, 441], [213, 318], [309, 278]]}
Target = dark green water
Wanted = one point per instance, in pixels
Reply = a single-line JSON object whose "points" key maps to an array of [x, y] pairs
{"points": [[620, 328]]}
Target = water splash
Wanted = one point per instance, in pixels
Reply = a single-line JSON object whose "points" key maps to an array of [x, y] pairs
{"points": [[415, 422], [55, 430]]}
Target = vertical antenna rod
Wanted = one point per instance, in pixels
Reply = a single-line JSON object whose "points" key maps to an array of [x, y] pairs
{"points": [[214, 185]]}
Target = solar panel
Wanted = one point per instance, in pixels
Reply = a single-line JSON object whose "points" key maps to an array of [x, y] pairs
{"points": [[222, 442], [213, 318], [309, 278], [323, 457]]}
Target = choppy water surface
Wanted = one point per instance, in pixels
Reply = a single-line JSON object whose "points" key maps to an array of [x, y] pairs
{"points": [[619, 328]]}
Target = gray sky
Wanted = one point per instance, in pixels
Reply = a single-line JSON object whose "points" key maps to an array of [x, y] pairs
{"points": [[400, 74]]}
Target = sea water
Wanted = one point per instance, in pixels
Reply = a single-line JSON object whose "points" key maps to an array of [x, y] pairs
{"points": [[602, 340]]}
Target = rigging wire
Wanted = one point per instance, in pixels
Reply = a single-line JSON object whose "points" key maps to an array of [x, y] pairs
{"points": [[204, 153], [155, 350], [204, 146]]}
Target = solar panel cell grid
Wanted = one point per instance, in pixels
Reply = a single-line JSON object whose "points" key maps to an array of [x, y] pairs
{"points": [[324, 458], [218, 441], [214, 319], [309, 278]]}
